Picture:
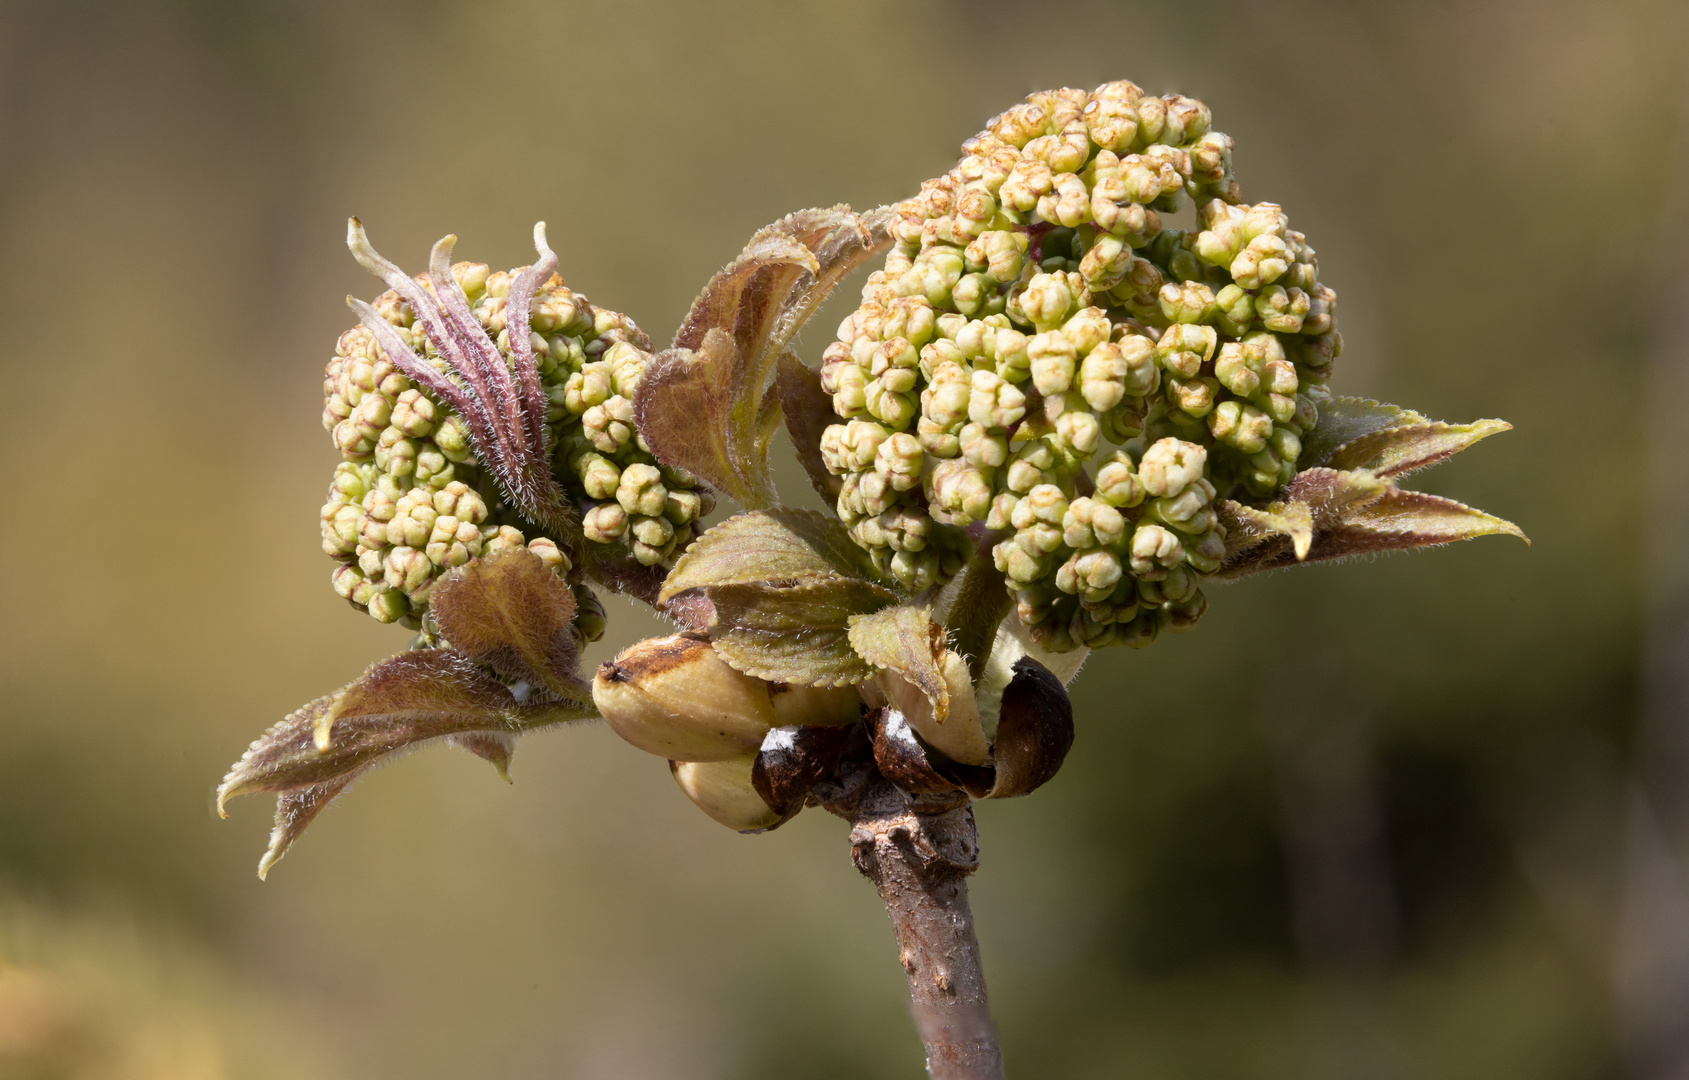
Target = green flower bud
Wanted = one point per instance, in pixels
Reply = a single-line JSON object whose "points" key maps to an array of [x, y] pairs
{"points": [[683, 507], [1205, 553], [1117, 482], [641, 491], [1183, 348], [340, 528], [999, 254], [1090, 574], [1047, 301], [994, 402], [452, 542], [983, 448], [1282, 310], [1262, 262], [1033, 464], [1154, 550], [898, 461], [600, 477], [1090, 522], [386, 604], [889, 405], [1018, 564], [1181, 617], [414, 415], [433, 469], [1078, 431], [1240, 425], [1053, 360], [395, 454], [593, 385], [945, 400], [609, 425], [452, 437], [412, 523], [960, 490], [1171, 465], [605, 523], [1191, 302], [409, 571], [1189, 511]]}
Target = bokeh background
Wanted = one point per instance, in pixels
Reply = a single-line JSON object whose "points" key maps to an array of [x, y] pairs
{"points": [[1421, 817]]}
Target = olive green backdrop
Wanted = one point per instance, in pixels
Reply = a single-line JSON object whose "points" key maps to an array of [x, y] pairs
{"points": [[1378, 820]]}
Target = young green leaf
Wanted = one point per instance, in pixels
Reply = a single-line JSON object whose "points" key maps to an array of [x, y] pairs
{"points": [[922, 679], [800, 547], [795, 633], [704, 403]]}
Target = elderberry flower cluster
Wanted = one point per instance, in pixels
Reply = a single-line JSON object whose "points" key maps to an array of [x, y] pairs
{"points": [[1042, 357], [416, 496]]}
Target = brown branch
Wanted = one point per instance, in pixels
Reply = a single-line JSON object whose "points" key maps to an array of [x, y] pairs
{"points": [[918, 851]]}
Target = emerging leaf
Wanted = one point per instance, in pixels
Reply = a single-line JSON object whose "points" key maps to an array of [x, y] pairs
{"points": [[808, 410], [922, 679], [703, 404], [399, 703], [799, 547], [795, 633], [1354, 433], [1332, 514], [511, 613]]}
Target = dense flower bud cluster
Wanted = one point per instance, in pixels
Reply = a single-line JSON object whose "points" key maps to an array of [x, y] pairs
{"points": [[1041, 356], [411, 500]]}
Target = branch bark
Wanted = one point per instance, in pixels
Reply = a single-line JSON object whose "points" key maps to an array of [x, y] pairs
{"points": [[918, 851]]}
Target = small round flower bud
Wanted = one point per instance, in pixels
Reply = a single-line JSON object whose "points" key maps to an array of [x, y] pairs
{"points": [[898, 461], [960, 490], [1184, 348], [609, 426], [641, 490], [1171, 465], [452, 437], [1047, 300], [981, 447], [605, 523], [1090, 522], [1018, 564], [340, 528], [599, 476], [452, 542], [1053, 360], [1090, 574], [1102, 376], [1118, 484], [1191, 302], [995, 403], [592, 385], [1154, 550]]}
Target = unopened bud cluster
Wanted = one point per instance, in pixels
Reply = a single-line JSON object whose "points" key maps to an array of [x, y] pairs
{"points": [[410, 501], [1041, 356]]}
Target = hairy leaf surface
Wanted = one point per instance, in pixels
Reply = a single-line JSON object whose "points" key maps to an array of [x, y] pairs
{"points": [[399, 703], [511, 613], [800, 547]]}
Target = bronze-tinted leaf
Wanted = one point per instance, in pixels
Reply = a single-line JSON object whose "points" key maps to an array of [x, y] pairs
{"points": [[901, 757], [808, 410], [491, 747], [1390, 520], [800, 547], [1344, 419], [1406, 448], [704, 404], [794, 759], [511, 613], [1034, 730], [399, 703], [1247, 526]]}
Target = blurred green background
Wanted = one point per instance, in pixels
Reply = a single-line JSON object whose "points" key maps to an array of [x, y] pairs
{"points": [[1420, 817]]}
